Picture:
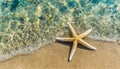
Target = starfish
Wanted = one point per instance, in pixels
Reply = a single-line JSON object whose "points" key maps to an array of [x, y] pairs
{"points": [[76, 39]]}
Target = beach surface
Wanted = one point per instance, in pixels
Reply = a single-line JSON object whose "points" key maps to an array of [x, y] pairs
{"points": [[55, 56]]}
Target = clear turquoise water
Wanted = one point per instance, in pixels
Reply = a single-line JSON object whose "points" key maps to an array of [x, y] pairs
{"points": [[29, 24]]}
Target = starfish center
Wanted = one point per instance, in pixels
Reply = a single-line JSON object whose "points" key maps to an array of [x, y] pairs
{"points": [[77, 38]]}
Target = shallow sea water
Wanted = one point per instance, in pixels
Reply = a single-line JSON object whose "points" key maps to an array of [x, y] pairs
{"points": [[26, 25]]}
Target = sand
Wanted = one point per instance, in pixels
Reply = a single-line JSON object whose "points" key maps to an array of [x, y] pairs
{"points": [[55, 56]]}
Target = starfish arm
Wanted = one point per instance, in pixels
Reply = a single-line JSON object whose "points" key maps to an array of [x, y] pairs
{"points": [[85, 33], [65, 39], [73, 49], [86, 44], [72, 30]]}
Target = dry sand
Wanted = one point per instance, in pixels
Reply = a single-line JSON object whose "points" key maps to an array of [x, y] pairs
{"points": [[55, 56]]}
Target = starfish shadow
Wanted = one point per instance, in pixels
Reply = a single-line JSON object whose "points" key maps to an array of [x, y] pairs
{"points": [[70, 46]]}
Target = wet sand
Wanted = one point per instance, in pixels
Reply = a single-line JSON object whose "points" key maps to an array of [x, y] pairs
{"points": [[55, 56]]}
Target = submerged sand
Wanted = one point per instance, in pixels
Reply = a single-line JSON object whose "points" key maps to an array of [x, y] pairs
{"points": [[54, 56]]}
